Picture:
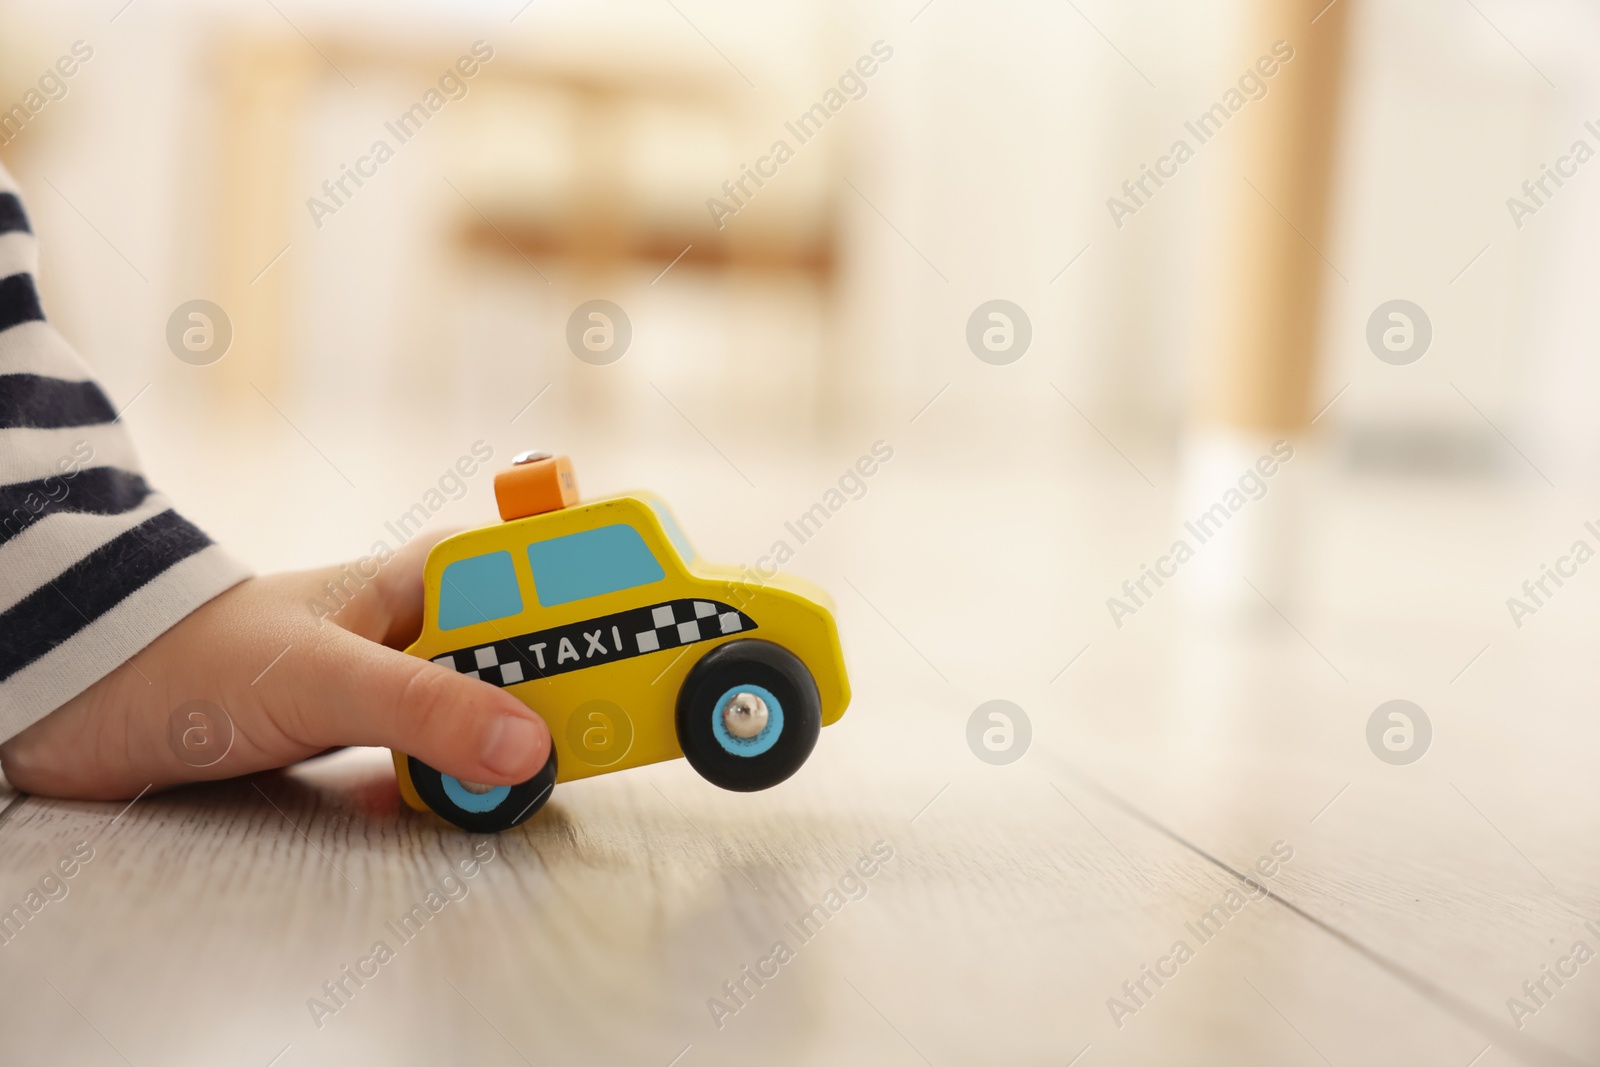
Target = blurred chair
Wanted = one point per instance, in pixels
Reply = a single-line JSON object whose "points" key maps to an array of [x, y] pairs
{"points": [[583, 177]]}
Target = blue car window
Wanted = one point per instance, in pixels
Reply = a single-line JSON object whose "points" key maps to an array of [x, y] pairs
{"points": [[478, 589], [586, 564], [674, 531]]}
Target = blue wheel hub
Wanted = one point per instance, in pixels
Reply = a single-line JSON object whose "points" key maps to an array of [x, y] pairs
{"points": [[467, 800]]}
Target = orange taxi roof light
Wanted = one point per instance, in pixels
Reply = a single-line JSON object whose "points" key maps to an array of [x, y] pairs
{"points": [[535, 483]]}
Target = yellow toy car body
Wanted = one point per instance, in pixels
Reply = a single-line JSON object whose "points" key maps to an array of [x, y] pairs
{"points": [[601, 618]]}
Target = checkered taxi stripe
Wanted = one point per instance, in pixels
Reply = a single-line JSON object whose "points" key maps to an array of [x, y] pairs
{"points": [[561, 649]]}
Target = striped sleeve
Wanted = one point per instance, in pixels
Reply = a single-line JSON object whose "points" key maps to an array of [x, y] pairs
{"points": [[94, 563]]}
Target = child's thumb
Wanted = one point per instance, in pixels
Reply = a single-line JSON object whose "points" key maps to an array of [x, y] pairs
{"points": [[463, 727]]}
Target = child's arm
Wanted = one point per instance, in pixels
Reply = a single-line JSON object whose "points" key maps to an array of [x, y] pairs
{"points": [[115, 610]]}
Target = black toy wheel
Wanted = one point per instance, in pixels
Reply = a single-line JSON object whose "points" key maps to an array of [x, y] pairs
{"points": [[748, 715], [500, 808]]}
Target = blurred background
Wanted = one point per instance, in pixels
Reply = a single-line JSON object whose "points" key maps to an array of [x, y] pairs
{"points": [[1172, 340], [431, 307], [375, 344]]}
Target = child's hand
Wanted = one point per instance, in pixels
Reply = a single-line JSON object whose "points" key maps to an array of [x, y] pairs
{"points": [[335, 685]]}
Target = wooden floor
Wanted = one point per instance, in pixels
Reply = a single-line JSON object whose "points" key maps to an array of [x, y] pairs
{"points": [[1166, 759]]}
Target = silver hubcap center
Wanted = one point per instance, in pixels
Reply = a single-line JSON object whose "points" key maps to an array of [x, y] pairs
{"points": [[745, 715], [475, 787]]}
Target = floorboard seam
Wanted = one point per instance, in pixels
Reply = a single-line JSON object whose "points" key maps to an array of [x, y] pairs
{"points": [[1523, 1047]]}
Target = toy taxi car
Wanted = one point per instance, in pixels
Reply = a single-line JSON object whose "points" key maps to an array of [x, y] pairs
{"points": [[600, 618]]}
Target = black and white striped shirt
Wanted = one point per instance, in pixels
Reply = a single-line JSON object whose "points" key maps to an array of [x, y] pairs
{"points": [[94, 564]]}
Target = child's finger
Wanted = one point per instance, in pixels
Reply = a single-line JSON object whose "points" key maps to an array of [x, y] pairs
{"points": [[399, 587], [383, 605], [370, 695], [65, 754]]}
